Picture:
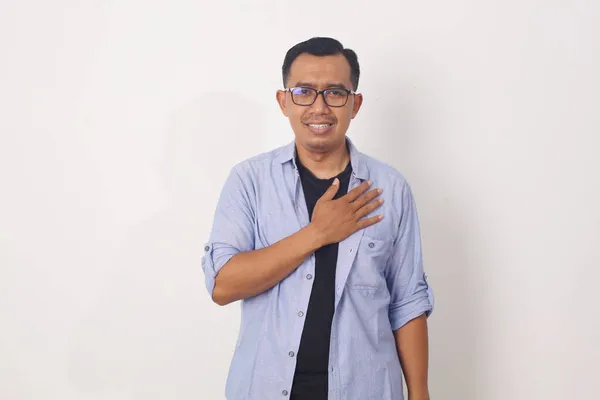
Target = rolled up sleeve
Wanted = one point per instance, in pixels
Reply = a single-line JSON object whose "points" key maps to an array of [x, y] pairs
{"points": [[232, 228], [411, 295]]}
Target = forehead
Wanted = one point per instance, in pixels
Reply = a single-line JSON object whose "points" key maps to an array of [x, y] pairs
{"points": [[320, 70]]}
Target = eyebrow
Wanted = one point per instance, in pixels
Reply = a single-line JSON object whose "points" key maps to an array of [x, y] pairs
{"points": [[329, 86]]}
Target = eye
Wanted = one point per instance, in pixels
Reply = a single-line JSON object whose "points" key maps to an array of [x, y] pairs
{"points": [[301, 91], [336, 92]]}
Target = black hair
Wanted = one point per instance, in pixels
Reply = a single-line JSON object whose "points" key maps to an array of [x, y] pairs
{"points": [[321, 46]]}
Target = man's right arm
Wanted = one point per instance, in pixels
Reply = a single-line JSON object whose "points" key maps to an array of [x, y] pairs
{"points": [[253, 272], [241, 272]]}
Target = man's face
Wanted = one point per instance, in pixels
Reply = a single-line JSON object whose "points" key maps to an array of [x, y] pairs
{"points": [[308, 122]]}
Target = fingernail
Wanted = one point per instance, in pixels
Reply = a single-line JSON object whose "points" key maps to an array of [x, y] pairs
{"points": [[379, 190], [336, 181], [381, 201], [370, 182]]}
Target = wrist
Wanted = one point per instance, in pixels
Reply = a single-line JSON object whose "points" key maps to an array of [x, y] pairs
{"points": [[314, 237], [418, 395]]}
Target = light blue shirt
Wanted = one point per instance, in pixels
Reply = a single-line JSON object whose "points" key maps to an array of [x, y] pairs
{"points": [[380, 284]]}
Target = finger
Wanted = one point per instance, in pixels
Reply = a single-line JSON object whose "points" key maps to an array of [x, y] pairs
{"points": [[357, 191], [365, 199], [363, 223], [368, 208], [332, 190]]}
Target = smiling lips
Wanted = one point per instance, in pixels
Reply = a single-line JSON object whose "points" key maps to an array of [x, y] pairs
{"points": [[320, 128]]}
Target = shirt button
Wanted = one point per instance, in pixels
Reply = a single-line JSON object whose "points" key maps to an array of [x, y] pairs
{"points": [[371, 245], [291, 353], [206, 248], [285, 393], [300, 314], [309, 276]]}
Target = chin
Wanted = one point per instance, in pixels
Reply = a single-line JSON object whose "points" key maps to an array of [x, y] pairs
{"points": [[322, 143]]}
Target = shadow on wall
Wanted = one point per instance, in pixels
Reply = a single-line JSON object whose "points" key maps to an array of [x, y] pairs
{"points": [[445, 236], [455, 323], [152, 333]]}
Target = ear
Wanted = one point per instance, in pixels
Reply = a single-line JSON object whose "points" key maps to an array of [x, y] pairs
{"points": [[358, 99], [282, 100]]}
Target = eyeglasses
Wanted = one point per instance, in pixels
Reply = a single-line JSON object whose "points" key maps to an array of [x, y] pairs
{"points": [[305, 96]]}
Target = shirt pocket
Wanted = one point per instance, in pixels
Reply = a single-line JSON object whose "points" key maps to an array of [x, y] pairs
{"points": [[368, 271]]}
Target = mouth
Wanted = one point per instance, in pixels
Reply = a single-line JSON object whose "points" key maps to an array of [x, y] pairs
{"points": [[320, 128]]}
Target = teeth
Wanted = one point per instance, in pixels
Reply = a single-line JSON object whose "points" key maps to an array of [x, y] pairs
{"points": [[320, 126]]}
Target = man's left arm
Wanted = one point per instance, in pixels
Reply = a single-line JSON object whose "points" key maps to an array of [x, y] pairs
{"points": [[413, 351], [411, 297]]}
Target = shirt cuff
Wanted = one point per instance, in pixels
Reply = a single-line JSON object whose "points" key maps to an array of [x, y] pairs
{"points": [[212, 264], [405, 311]]}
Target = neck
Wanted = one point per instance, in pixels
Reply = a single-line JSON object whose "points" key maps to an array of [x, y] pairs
{"points": [[327, 164]]}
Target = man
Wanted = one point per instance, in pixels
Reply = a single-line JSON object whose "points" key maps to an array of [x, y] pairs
{"points": [[334, 297]]}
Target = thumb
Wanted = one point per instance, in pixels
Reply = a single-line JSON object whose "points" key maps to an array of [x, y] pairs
{"points": [[333, 189]]}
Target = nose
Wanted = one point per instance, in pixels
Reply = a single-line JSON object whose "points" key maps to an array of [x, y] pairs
{"points": [[319, 106]]}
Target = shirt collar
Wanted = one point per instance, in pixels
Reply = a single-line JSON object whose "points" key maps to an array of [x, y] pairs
{"points": [[288, 153]]}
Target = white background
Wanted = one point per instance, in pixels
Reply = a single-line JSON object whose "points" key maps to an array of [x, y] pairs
{"points": [[119, 121]]}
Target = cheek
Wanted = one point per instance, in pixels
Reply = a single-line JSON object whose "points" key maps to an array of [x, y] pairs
{"points": [[296, 115], [344, 116]]}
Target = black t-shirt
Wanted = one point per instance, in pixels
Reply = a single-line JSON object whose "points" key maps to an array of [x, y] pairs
{"points": [[311, 376]]}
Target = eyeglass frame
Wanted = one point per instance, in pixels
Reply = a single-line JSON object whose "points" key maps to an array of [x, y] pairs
{"points": [[320, 92]]}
